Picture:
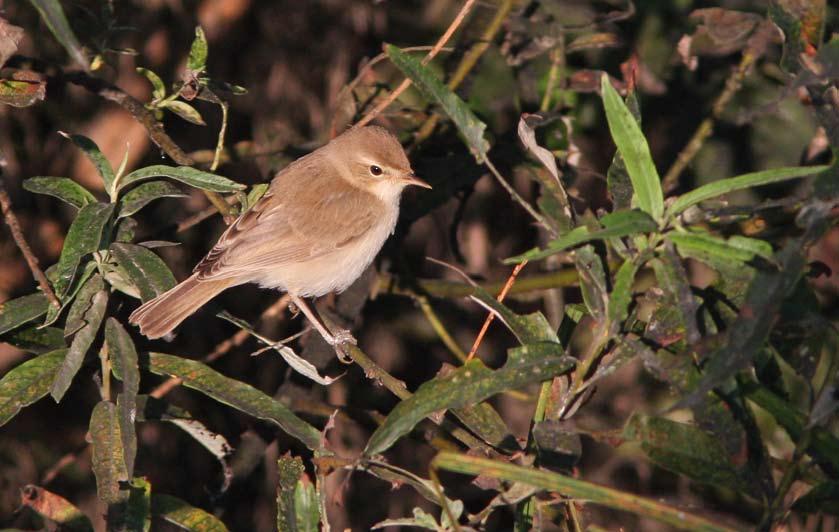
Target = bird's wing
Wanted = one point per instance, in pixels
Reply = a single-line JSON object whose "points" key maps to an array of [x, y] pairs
{"points": [[300, 218]]}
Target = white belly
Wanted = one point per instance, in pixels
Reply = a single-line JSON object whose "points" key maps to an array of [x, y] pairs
{"points": [[333, 272]]}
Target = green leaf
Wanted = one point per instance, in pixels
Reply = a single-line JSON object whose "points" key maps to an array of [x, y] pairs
{"points": [[77, 315], [108, 460], [79, 346], [184, 174], [83, 238], [469, 384], [180, 513], [634, 150], [434, 90], [297, 500], [16, 312], [712, 250], [143, 194], [487, 424], [62, 188], [621, 296], [123, 357], [143, 269], [79, 281], [138, 510], [27, 383], [92, 151], [36, 339], [158, 88], [684, 449], [615, 225], [733, 184], [22, 93], [53, 15], [824, 446], [185, 111], [197, 60], [575, 489], [256, 192], [530, 329], [618, 182], [234, 393], [55, 508], [673, 279]]}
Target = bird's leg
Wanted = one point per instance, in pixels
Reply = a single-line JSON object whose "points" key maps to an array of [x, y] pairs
{"points": [[339, 337]]}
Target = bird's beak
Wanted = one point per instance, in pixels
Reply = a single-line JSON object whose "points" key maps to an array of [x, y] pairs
{"points": [[412, 179]]}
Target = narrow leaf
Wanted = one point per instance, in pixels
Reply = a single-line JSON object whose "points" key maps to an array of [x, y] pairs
{"points": [[180, 513], [36, 339], [77, 315], [53, 15], [79, 346], [712, 249], [236, 394], [469, 384], [197, 60], [79, 281], [27, 383], [143, 194], [108, 459], [297, 502], [16, 312], [615, 225], [684, 449], [158, 88], [434, 90], [83, 238], [634, 150], [55, 508], [123, 355], [733, 184], [143, 269], [92, 151], [575, 489], [530, 329], [184, 174], [185, 111], [621, 296], [62, 188]]}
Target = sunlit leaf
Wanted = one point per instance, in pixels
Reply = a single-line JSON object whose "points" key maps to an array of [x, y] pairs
{"points": [[27, 383], [575, 489], [634, 150], [733, 184], [234, 393], [178, 512], [92, 152], [108, 460], [16, 312], [62, 188], [55, 508], [143, 194], [184, 174], [469, 384], [83, 238], [434, 90], [53, 15], [80, 345], [197, 60], [144, 270]]}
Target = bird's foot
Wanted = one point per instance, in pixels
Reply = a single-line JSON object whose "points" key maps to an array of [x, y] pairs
{"points": [[340, 340]]}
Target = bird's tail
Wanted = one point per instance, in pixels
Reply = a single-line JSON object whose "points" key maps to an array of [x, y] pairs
{"points": [[162, 314]]}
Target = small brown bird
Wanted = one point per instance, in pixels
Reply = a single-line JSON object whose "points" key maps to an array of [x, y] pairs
{"points": [[316, 229]]}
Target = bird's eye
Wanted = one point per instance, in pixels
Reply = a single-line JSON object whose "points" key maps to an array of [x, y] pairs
{"points": [[376, 170]]}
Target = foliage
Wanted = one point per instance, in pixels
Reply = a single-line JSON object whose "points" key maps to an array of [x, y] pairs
{"points": [[748, 359]]}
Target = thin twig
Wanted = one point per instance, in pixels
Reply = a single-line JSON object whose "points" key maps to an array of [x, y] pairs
{"points": [[458, 20], [518, 199], [468, 62], [224, 347], [491, 316], [732, 85], [31, 259], [393, 285], [154, 128]]}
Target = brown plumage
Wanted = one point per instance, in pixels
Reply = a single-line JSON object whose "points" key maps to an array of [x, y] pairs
{"points": [[321, 223]]}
